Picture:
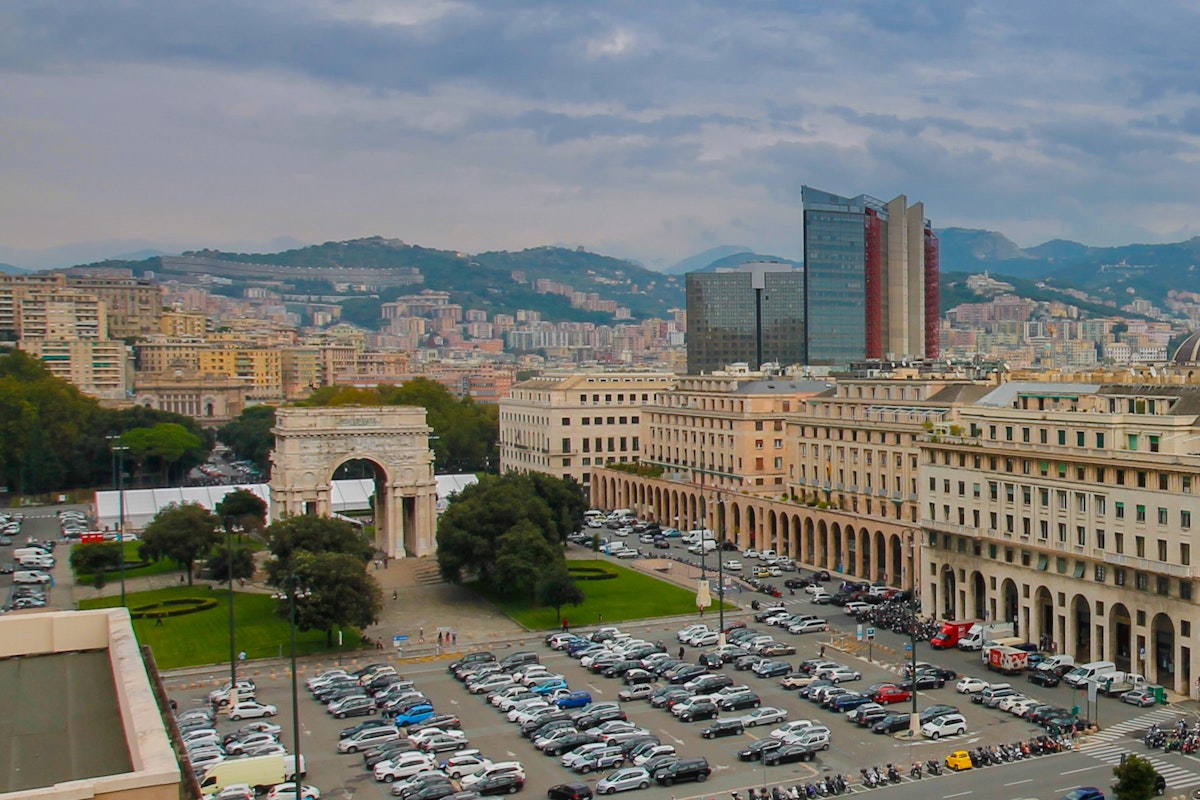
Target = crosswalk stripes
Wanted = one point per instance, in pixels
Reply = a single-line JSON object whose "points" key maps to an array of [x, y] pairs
{"points": [[1176, 776], [1162, 716]]}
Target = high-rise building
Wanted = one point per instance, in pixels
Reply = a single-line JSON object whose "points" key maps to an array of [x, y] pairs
{"points": [[753, 314], [870, 279]]}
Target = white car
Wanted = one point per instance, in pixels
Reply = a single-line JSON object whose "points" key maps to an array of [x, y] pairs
{"points": [[499, 768], [287, 791], [949, 725], [706, 639], [809, 625], [764, 716], [249, 742], [248, 709], [520, 708], [580, 754], [465, 763], [683, 634], [795, 726], [732, 564], [1021, 708], [1007, 703], [971, 685], [325, 677], [749, 552], [428, 734], [238, 791], [404, 765]]}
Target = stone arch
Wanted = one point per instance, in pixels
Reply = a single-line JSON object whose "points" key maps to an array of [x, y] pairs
{"points": [[897, 573], [1162, 650], [1120, 636], [822, 559], [879, 560], [752, 525], [851, 537], [311, 444], [810, 543], [836, 557], [978, 595], [1043, 619], [1010, 603], [949, 585]]}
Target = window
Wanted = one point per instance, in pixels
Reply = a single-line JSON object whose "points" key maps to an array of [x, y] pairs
{"points": [[1100, 504], [1141, 581], [1139, 544], [1062, 532], [1081, 502], [566, 421], [962, 488], [1043, 529], [1100, 440], [1185, 593], [1187, 484], [1119, 576], [975, 490], [1185, 519], [1120, 510], [1162, 516], [1062, 437], [1026, 495], [1100, 538], [1079, 438], [1008, 433], [1099, 575], [566, 444], [1164, 481], [1133, 441], [779, 444], [758, 444], [1042, 435], [1154, 449], [1025, 435], [1120, 477], [1141, 513], [1141, 479], [1080, 535], [1162, 550], [1044, 497], [1119, 538]]}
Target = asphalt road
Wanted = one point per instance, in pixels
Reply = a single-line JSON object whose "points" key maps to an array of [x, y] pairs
{"points": [[41, 523]]}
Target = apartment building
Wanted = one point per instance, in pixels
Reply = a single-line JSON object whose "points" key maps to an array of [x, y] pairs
{"points": [[1068, 509], [134, 305], [564, 424], [183, 323], [259, 368], [99, 368], [62, 314]]}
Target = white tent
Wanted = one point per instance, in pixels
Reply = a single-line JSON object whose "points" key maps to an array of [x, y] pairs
{"points": [[142, 504]]}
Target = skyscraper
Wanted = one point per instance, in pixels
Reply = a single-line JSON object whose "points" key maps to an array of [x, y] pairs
{"points": [[754, 313], [870, 279]]}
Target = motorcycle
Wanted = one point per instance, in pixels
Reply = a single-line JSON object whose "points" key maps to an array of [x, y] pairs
{"points": [[893, 773], [915, 771], [934, 767]]}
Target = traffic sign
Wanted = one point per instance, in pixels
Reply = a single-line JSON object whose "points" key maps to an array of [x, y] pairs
{"points": [[908, 647], [870, 633], [399, 640], [858, 635]]}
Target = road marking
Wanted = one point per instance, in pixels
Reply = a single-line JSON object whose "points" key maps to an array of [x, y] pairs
{"points": [[1081, 769], [959, 794], [1018, 783]]}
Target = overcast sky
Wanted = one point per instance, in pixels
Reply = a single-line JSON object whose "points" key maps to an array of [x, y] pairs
{"points": [[645, 129]]}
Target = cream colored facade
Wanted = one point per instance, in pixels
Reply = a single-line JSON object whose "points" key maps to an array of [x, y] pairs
{"points": [[260, 367], [63, 314], [134, 305], [1068, 508], [99, 368], [183, 323], [564, 424]]}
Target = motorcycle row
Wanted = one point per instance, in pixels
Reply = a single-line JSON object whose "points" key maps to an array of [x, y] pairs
{"points": [[827, 786], [1179, 739], [873, 777], [898, 618]]}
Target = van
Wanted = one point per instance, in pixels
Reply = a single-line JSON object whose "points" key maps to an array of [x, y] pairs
{"points": [[21, 552], [258, 772], [619, 513], [698, 535], [30, 576], [990, 692], [764, 555], [1054, 662], [1085, 673], [518, 659], [36, 562]]}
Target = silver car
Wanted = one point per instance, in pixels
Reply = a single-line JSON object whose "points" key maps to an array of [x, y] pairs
{"points": [[623, 780]]}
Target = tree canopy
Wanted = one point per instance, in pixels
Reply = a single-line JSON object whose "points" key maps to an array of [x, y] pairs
{"points": [[183, 533], [314, 535], [244, 508], [1135, 778], [249, 435]]}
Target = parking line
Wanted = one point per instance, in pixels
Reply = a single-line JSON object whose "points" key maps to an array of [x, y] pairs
{"points": [[1018, 783], [1081, 769], [959, 794]]}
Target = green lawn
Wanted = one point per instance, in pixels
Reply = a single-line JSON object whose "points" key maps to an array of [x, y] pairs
{"points": [[203, 637], [631, 595], [131, 556]]}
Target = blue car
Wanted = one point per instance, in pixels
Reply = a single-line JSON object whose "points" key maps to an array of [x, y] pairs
{"points": [[846, 702], [414, 714], [548, 686], [574, 700], [1035, 659]]}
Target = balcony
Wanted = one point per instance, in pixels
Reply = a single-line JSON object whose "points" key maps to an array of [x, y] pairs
{"points": [[950, 527], [1148, 565]]}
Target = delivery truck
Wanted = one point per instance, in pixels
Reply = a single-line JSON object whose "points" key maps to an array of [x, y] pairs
{"points": [[982, 632], [950, 633], [1116, 683], [1006, 660], [258, 772]]}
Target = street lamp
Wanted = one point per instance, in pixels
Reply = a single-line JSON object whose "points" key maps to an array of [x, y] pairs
{"points": [[292, 590], [229, 567], [914, 721], [119, 453]]}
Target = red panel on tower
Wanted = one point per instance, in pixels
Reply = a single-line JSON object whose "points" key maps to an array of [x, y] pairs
{"points": [[873, 258], [933, 296]]}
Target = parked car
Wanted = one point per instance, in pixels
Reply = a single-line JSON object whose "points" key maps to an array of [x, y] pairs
{"points": [[764, 716], [788, 754], [623, 780], [723, 727]]}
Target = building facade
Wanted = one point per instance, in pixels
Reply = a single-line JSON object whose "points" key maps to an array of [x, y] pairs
{"points": [[1067, 509], [564, 424], [871, 281], [752, 314]]}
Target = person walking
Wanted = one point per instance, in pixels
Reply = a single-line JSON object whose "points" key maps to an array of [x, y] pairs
{"points": [[681, 652]]}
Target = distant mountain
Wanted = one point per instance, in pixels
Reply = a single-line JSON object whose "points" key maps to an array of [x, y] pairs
{"points": [[737, 259], [9, 269], [1058, 250], [701, 260], [961, 248]]}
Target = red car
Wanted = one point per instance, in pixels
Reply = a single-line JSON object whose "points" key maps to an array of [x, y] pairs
{"points": [[886, 695]]}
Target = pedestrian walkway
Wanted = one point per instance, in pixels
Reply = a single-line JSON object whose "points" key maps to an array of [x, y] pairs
{"points": [[1175, 775], [1164, 717]]}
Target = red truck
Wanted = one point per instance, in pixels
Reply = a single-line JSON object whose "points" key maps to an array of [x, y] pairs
{"points": [[950, 633]]}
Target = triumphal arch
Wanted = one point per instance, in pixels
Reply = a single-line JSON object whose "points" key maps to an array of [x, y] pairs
{"points": [[312, 443]]}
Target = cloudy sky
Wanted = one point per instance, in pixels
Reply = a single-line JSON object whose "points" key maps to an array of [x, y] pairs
{"points": [[640, 129]]}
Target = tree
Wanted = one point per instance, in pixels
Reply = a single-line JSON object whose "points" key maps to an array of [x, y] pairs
{"points": [[162, 445], [1135, 778], [565, 499], [342, 593], [183, 533], [249, 435], [88, 559], [557, 588], [242, 507], [315, 536], [522, 556], [218, 563]]}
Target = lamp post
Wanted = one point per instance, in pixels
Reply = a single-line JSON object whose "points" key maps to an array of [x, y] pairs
{"points": [[292, 589], [720, 572], [914, 721], [229, 568], [119, 453]]}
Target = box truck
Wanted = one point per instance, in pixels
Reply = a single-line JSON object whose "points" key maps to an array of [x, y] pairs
{"points": [[259, 772], [1006, 660], [982, 632], [950, 633]]}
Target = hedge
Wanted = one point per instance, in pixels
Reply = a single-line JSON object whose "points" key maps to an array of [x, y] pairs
{"points": [[591, 573], [185, 605]]}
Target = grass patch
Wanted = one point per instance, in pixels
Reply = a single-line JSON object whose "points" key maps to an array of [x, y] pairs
{"points": [[203, 637], [630, 595], [131, 556]]}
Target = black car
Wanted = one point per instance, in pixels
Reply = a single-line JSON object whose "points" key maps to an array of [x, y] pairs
{"points": [[870, 716], [422, 784], [736, 702], [894, 722], [773, 670], [663, 697], [629, 745], [1044, 677], [386, 752], [702, 710], [729, 546], [546, 727], [941, 672], [755, 751], [1041, 713], [504, 783], [434, 791], [362, 726], [594, 718], [662, 544], [711, 660], [930, 713], [528, 728], [723, 727], [685, 769], [620, 668], [666, 665], [797, 583], [925, 680], [569, 791], [660, 762], [685, 674], [569, 742], [789, 753], [443, 721]]}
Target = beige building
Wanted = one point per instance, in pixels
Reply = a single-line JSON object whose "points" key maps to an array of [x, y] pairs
{"points": [[261, 368], [134, 305], [210, 399], [564, 424], [183, 323], [99, 368], [62, 314], [1068, 509]]}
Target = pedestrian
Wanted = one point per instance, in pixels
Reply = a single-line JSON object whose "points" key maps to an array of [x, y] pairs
{"points": [[158, 623], [422, 634], [681, 652], [601, 617], [822, 651], [181, 578], [439, 638], [242, 656], [394, 594], [454, 637]]}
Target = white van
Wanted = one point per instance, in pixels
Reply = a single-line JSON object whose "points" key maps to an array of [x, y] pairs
{"points": [[21, 552], [36, 562], [619, 513], [1054, 662], [30, 576], [698, 535], [1093, 670]]}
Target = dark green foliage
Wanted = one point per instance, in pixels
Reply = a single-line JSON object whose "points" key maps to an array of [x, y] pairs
{"points": [[1135, 778], [242, 508], [87, 559], [183, 533], [341, 593], [523, 554], [312, 535], [217, 565], [249, 435], [557, 588], [159, 447]]}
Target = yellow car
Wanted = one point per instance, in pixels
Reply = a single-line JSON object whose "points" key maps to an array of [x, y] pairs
{"points": [[958, 760]]}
